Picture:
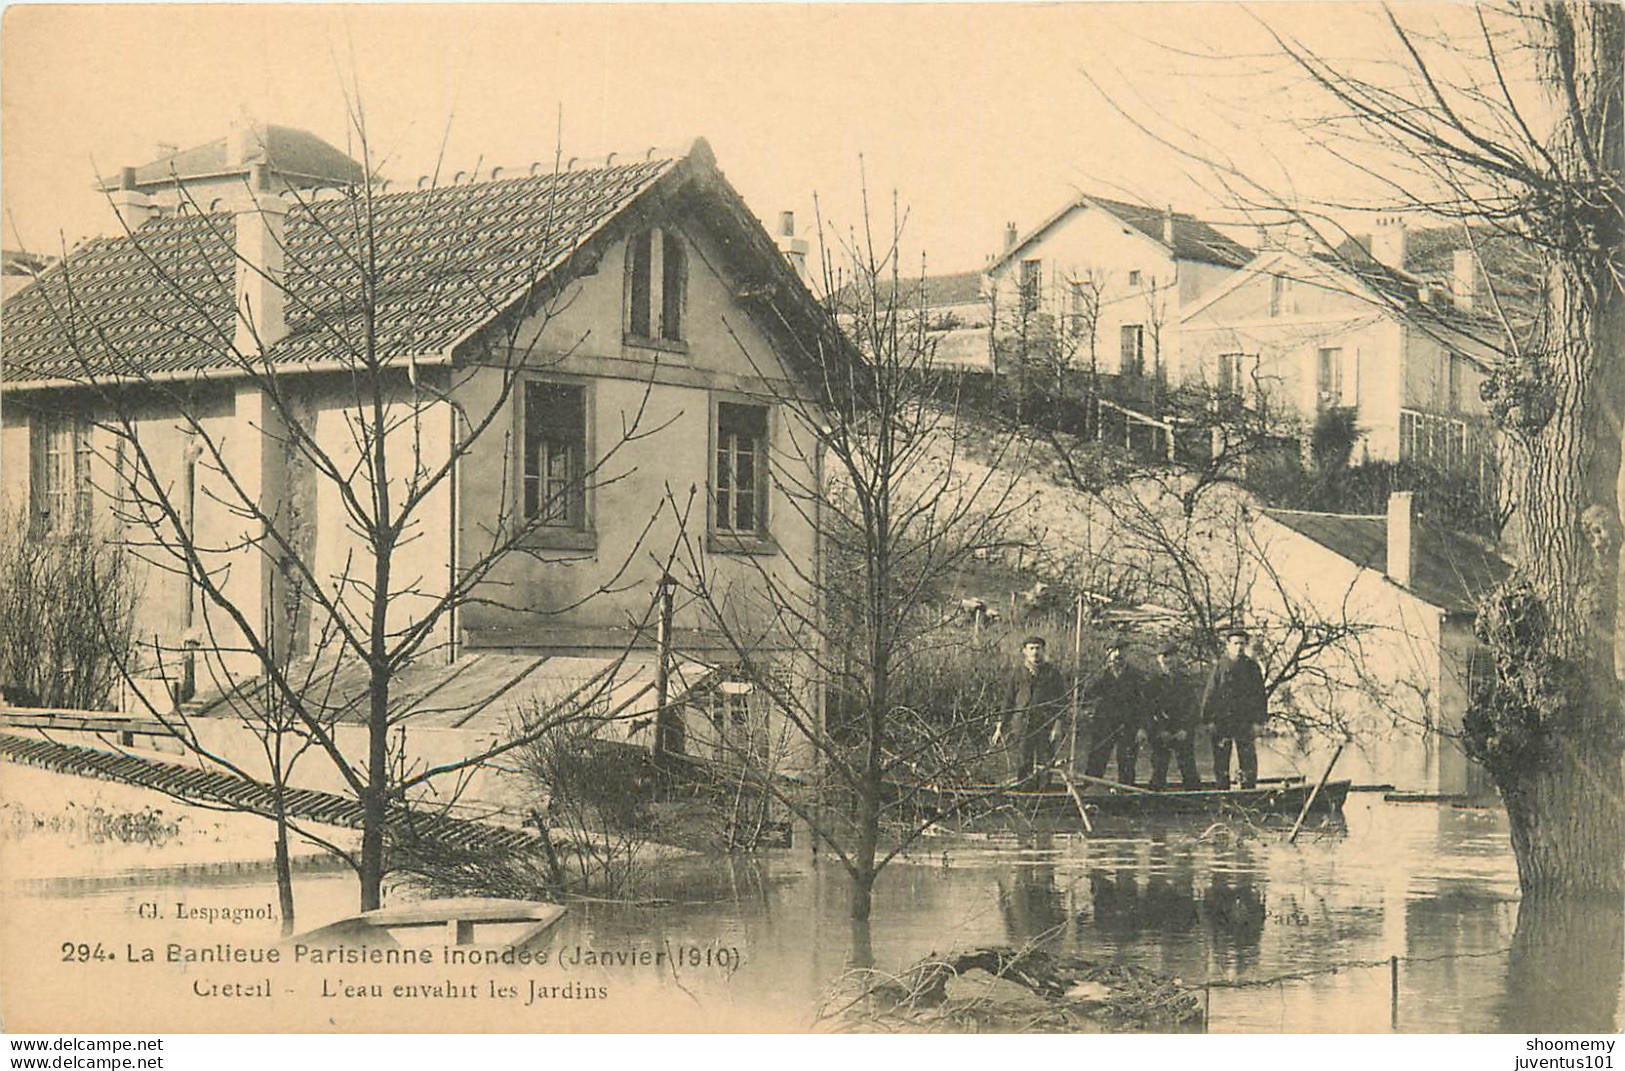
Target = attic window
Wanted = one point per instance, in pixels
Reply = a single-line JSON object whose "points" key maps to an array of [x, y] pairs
{"points": [[1134, 278], [1282, 300], [656, 284]]}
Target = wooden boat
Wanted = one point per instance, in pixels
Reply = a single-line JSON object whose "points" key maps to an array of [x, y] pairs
{"points": [[462, 921], [1048, 801]]}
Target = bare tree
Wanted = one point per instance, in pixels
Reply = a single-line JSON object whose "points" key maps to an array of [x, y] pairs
{"points": [[900, 512]]}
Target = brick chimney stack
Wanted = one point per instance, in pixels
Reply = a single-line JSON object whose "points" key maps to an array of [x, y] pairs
{"points": [[260, 301], [133, 207], [1168, 226], [1010, 236], [1401, 537]]}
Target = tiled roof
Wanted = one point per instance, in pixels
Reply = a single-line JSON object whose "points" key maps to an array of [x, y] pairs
{"points": [[285, 150], [1448, 570], [1193, 240], [449, 259], [1508, 263]]}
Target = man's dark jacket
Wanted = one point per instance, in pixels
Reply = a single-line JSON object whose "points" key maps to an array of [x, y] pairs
{"points": [[1234, 698], [1172, 702], [1034, 700], [1118, 699]]}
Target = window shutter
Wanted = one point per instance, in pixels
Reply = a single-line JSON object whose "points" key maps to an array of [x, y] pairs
{"points": [[37, 497]]}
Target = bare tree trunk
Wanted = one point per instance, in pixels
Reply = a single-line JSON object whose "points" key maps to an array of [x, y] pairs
{"points": [[284, 867], [866, 847], [375, 800]]}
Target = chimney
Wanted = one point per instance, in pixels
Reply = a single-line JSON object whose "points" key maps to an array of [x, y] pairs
{"points": [[1388, 242], [260, 301], [794, 249], [1010, 236], [1401, 537], [1463, 279], [133, 207], [1168, 226], [243, 145]]}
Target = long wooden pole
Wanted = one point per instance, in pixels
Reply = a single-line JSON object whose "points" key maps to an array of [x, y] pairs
{"points": [[1115, 784], [1077, 673], [1314, 792], [1071, 786]]}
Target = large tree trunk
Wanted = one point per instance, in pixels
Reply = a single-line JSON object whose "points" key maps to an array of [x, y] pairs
{"points": [[1559, 693], [1568, 825], [1558, 718]]}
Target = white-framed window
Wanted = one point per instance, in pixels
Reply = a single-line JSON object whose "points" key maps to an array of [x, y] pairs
{"points": [[1335, 378], [1232, 377], [1283, 302], [555, 454], [1032, 281], [1131, 350], [1437, 440], [656, 286], [1079, 309], [739, 470], [60, 490], [1480, 670]]}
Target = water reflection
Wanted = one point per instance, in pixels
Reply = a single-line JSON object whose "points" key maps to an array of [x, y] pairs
{"points": [[1565, 968], [1434, 886]]}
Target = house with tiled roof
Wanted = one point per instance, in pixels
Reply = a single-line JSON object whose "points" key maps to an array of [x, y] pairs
{"points": [[604, 347], [1401, 347], [1101, 283], [1409, 590]]}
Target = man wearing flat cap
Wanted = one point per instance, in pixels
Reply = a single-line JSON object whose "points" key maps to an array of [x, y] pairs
{"points": [[1235, 705], [1172, 716], [1035, 699], [1116, 702]]}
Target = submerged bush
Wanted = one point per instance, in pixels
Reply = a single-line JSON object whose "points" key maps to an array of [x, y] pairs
{"points": [[76, 593]]}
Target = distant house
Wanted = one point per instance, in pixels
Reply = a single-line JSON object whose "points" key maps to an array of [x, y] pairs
{"points": [[1413, 591], [676, 315], [955, 309], [1103, 283], [215, 173], [1404, 352]]}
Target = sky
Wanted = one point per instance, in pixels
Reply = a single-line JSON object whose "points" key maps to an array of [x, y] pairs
{"points": [[970, 116]]}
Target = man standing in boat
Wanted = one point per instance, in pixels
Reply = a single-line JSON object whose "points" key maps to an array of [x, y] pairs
{"points": [[1034, 702], [1234, 704], [1172, 712], [1117, 703]]}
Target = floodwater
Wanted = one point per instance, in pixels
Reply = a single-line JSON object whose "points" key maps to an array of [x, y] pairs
{"points": [[1285, 937]]}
